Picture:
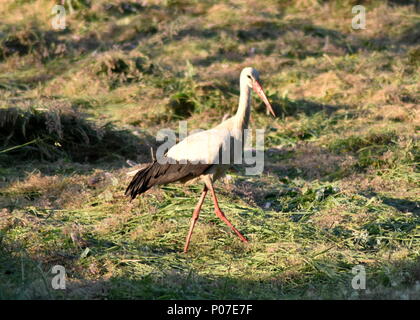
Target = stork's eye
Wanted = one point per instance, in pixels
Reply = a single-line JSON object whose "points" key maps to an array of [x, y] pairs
{"points": [[249, 76]]}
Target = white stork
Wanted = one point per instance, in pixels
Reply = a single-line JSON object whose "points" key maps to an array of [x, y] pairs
{"points": [[196, 158]]}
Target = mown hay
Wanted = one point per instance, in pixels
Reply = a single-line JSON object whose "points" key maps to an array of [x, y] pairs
{"points": [[54, 134]]}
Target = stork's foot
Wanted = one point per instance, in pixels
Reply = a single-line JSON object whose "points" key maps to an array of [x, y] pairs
{"points": [[222, 216], [220, 213]]}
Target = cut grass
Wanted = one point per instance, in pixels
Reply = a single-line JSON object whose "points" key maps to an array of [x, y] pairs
{"points": [[62, 134], [340, 187]]}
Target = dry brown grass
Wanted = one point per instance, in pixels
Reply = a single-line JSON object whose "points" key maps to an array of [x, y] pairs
{"points": [[341, 185]]}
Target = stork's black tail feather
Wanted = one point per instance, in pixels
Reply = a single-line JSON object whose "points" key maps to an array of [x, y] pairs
{"points": [[155, 173]]}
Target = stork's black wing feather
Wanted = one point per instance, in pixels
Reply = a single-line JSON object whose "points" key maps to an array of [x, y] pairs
{"points": [[156, 173]]}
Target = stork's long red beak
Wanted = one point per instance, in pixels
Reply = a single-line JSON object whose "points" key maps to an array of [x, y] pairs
{"points": [[259, 90]]}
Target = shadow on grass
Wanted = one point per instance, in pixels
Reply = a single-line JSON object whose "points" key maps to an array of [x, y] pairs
{"points": [[23, 277], [288, 107], [65, 134], [402, 205], [61, 143], [49, 44], [289, 39], [416, 3], [327, 281]]}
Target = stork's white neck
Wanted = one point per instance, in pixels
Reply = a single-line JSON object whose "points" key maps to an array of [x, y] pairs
{"points": [[244, 108]]}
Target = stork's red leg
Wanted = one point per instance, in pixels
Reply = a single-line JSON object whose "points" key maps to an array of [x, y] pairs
{"points": [[195, 217], [222, 216]]}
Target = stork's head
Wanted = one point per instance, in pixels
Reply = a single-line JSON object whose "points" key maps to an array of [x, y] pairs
{"points": [[251, 78]]}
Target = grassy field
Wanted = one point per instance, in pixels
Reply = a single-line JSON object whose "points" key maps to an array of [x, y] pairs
{"points": [[341, 181]]}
